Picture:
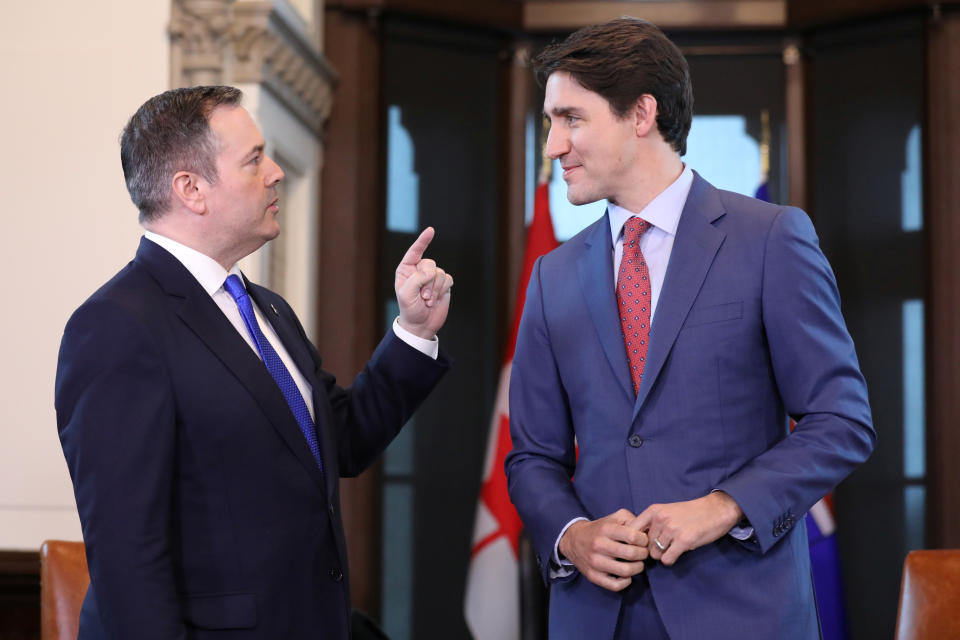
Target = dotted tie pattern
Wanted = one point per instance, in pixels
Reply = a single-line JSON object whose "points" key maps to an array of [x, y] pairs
{"points": [[275, 366], [633, 298]]}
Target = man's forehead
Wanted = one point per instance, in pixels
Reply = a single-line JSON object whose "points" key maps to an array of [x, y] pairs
{"points": [[564, 94], [225, 112], [235, 128]]}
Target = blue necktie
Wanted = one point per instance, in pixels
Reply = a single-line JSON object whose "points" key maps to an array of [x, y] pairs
{"points": [[274, 364]]}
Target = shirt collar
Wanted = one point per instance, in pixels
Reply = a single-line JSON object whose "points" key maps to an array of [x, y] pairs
{"points": [[662, 212], [205, 269]]}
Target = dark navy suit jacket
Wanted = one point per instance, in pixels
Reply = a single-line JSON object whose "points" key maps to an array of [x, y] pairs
{"points": [[747, 331], [204, 513]]}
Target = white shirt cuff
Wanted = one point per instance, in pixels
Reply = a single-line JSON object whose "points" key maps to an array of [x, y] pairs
{"points": [[562, 568], [741, 533], [427, 347]]}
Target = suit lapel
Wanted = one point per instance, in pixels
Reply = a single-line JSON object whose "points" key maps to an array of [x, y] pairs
{"points": [[694, 249], [206, 320], [595, 269], [294, 343], [287, 333]]}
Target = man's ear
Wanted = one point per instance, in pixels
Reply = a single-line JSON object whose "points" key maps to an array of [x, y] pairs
{"points": [[645, 115], [188, 190]]}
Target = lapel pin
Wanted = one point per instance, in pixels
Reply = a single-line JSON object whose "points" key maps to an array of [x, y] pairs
{"points": [[275, 312]]}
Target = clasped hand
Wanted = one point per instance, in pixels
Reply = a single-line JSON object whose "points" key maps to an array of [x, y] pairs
{"points": [[423, 290], [611, 550]]}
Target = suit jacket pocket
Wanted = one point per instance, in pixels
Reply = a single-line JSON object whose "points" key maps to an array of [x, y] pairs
{"points": [[221, 611], [714, 313]]}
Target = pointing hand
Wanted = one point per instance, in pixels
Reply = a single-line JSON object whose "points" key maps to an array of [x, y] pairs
{"points": [[423, 290]]}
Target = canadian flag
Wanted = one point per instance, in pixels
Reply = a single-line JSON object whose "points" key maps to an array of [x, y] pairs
{"points": [[492, 601]]}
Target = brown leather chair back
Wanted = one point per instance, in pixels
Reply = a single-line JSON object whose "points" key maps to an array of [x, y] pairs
{"points": [[63, 584], [930, 595]]}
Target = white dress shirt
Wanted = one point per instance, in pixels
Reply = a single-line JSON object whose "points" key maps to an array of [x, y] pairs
{"points": [[211, 276], [663, 214]]}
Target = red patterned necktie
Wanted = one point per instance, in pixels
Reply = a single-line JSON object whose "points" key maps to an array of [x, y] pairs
{"points": [[633, 298]]}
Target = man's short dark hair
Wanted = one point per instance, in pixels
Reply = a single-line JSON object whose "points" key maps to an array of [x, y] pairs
{"points": [[170, 133], [621, 60]]}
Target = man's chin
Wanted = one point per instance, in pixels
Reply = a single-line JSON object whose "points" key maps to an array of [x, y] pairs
{"points": [[578, 199], [272, 233]]}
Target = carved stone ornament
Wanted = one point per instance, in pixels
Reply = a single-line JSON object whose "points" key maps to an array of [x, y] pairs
{"points": [[250, 41]]}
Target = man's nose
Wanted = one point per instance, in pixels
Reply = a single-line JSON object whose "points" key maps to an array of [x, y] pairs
{"points": [[274, 172], [557, 143]]}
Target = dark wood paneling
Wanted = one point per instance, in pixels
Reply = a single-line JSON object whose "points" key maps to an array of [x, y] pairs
{"points": [[493, 13], [942, 143], [516, 104], [444, 87], [866, 101], [349, 325], [809, 13], [567, 15], [19, 595], [796, 103]]}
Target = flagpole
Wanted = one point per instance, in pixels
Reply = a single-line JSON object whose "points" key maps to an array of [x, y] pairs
{"points": [[763, 191], [546, 162], [765, 143]]}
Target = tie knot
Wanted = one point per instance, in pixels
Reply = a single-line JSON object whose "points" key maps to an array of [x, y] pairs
{"points": [[633, 229], [234, 286]]}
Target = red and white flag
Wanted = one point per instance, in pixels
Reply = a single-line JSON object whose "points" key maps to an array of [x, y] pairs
{"points": [[492, 601]]}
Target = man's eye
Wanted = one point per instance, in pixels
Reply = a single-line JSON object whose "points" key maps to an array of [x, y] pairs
{"points": [[256, 160], [572, 119]]}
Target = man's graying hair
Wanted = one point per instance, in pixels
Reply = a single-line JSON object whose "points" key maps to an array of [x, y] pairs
{"points": [[170, 133]]}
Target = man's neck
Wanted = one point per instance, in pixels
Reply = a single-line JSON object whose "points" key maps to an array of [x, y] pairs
{"points": [[652, 178], [166, 227]]}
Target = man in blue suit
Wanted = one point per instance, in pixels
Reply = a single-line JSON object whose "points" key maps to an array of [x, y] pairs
{"points": [[203, 438], [660, 354]]}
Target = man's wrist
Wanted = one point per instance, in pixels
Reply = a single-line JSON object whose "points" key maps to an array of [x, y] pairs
{"points": [[421, 332], [563, 543], [731, 512], [429, 347]]}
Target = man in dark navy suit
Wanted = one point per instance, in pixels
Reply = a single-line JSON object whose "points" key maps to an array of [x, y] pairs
{"points": [[203, 438], [660, 354]]}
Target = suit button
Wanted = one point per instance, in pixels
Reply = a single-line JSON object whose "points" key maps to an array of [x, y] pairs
{"points": [[635, 440], [331, 510], [336, 575]]}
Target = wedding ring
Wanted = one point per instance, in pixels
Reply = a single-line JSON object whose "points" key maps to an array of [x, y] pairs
{"points": [[660, 545]]}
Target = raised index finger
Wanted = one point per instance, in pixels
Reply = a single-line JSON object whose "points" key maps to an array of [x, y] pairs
{"points": [[415, 252]]}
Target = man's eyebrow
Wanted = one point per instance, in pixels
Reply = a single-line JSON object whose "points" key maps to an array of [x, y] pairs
{"points": [[256, 150], [558, 111]]}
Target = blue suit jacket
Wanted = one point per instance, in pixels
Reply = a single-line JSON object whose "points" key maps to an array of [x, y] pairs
{"points": [[747, 331], [204, 513]]}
